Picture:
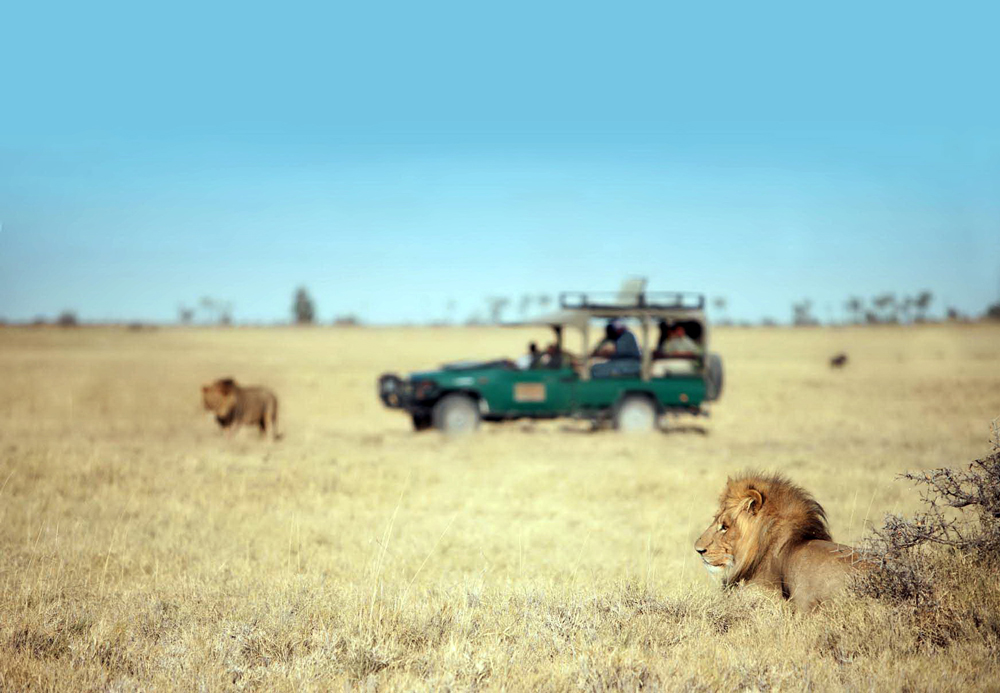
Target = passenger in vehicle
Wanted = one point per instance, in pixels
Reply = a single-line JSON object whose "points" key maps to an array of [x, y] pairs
{"points": [[676, 353], [621, 349], [530, 360], [677, 343]]}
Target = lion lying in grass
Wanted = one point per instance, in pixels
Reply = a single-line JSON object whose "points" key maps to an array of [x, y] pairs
{"points": [[234, 406], [770, 532]]}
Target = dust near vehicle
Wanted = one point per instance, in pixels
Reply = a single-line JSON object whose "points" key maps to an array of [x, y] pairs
{"points": [[235, 406], [772, 533]]}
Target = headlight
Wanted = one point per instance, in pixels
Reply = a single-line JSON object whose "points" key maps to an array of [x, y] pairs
{"points": [[424, 389]]}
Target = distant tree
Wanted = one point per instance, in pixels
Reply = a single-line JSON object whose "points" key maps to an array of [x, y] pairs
{"points": [[185, 315], [768, 322], [217, 311], [922, 304], [303, 307], [543, 300], [886, 306], [225, 313], [67, 318], [496, 306], [450, 307], [524, 305], [993, 312], [474, 319], [207, 304], [954, 313], [855, 306], [720, 303], [802, 314], [905, 306]]}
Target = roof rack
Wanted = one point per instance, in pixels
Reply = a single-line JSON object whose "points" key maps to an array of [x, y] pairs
{"points": [[610, 300]]}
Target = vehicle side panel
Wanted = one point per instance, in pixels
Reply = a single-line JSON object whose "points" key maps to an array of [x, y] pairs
{"points": [[676, 391], [544, 392]]}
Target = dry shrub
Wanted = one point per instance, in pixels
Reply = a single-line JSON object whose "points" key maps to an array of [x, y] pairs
{"points": [[936, 564]]}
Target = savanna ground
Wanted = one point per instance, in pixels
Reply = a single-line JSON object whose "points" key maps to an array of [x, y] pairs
{"points": [[143, 549]]}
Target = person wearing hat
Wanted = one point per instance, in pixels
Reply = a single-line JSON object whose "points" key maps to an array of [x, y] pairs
{"points": [[621, 349]]}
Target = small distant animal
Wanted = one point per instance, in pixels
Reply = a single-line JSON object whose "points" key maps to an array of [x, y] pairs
{"points": [[770, 532], [235, 405], [838, 361]]}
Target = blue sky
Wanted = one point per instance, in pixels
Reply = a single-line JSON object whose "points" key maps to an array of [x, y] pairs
{"points": [[394, 157]]}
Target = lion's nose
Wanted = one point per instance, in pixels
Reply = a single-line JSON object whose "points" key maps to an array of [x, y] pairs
{"points": [[700, 550]]}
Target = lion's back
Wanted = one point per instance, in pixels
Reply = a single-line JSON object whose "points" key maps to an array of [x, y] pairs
{"points": [[256, 401], [816, 570]]}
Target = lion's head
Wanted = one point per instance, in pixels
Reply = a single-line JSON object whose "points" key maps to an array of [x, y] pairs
{"points": [[759, 517], [220, 397]]}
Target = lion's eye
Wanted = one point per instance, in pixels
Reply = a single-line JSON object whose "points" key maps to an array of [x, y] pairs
{"points": [[723, 527]]}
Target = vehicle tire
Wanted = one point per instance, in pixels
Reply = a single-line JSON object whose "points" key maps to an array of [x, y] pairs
{"points": [[421, 422], [455, 414], [635, 414], [713, 377]]}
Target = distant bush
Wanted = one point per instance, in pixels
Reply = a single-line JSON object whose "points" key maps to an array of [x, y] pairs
{"points": [[349, 320], [67, 318]]}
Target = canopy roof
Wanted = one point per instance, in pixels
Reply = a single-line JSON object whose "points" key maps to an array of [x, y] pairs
{"points": [[577, 308]]}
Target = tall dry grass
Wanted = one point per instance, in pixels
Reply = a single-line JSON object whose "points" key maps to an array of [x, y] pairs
{"points": [[142, 549]]}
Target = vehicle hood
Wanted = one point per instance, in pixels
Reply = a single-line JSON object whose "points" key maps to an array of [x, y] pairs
{"points": [[474, 365], [460, 368]]}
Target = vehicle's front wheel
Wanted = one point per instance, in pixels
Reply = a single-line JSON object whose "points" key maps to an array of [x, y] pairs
{"points": [[634, 414], [421, 422], [456, 413]]}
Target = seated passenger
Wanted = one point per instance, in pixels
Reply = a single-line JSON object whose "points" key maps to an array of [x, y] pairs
{"points": [[552, 357], [677, 352], [678, 344], [530, 360], [621, 349]]}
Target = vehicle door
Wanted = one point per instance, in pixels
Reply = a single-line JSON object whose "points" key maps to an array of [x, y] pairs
{"points": [[541, 391]]}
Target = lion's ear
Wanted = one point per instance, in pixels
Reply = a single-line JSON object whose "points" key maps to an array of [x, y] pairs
{"points": [[753, 501]]}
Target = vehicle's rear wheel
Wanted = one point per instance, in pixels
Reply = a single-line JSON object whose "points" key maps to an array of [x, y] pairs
{"points": [[456, 413], [635, 413], [421, 422]]}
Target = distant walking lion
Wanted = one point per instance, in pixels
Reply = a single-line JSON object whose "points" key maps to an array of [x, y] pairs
{"points": [[770, 532], [235, 405]]}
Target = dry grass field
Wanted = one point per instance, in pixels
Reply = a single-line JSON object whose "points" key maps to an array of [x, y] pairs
{"points": [[142, 549]]}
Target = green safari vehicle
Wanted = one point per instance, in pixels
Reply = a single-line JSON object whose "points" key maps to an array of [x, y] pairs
{"points": [[553, 383]]}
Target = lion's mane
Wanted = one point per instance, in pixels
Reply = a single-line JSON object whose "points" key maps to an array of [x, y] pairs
{"points": [[770, 531]]}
